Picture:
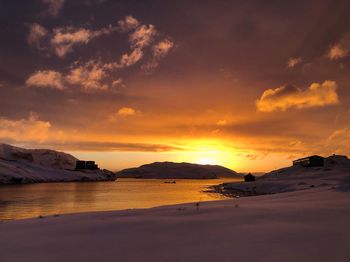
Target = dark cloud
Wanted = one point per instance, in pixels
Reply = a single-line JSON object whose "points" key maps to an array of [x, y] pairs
{"points": [[113, 146]]}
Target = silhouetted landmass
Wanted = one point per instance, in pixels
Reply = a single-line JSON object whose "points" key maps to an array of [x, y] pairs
{"points": [[173, 170], [21, 166]]}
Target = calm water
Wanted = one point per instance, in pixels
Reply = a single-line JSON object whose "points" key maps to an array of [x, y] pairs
{"points": [[25, 201]]}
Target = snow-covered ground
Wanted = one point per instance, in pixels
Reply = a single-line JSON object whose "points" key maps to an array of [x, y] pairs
{"points": [[308, 225], [335, 174], [19, 165]]}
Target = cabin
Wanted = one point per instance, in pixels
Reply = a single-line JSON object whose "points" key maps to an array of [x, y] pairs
{"points": [[310, 161], [249, 178], [85, 165]]}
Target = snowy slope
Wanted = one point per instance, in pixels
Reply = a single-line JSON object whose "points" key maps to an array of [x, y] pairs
{"points": [[334, 174], [19, 165]]}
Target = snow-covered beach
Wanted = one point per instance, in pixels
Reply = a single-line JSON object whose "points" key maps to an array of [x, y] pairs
{"points": [[308, 225]]}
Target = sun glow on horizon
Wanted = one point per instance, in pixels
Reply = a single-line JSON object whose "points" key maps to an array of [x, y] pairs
{"points": [[206, 161]]}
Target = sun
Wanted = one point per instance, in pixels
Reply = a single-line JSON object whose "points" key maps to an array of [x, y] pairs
{"points": [[206, 161]]}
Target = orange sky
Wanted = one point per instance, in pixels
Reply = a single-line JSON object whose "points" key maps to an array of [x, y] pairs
{"points": [[131, 83]]}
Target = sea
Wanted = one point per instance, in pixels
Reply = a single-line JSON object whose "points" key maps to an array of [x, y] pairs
{"points": [[47, 199]]}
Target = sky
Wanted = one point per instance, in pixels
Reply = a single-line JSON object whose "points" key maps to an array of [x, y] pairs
{"points": [[250, 85]]}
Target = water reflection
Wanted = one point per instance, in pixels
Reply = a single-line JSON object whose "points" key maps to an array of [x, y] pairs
{"points": [[24, 201]]}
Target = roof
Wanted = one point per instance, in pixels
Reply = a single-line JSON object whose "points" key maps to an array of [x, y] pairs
{"points": [[308, 157]]}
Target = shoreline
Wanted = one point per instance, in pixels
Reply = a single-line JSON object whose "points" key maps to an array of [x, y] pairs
{"points": [[263, 228]]}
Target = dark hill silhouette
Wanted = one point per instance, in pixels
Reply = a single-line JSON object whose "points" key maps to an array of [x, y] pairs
{"points": [[173, 170]]}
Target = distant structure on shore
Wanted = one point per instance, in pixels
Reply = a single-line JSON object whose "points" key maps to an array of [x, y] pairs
{"points": [[85, 165], [309, 161], [249, 178]]}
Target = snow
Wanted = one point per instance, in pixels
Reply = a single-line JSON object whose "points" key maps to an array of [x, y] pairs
{"points": [[309, 222], [19, 165], [308, 225], [334, 174]]}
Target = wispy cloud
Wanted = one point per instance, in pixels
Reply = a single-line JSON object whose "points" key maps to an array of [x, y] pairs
{"points": [[88, 77], [114, 146], [340, 49], [126, 111], [159, 51], [140, 37], [285, 97], [337, 52], [62, 40], [130, 59], [46, 78], [53, 7], [28, 129], [128, 23], [93, 75], [293, 61], [118, 82], [36, 34]]}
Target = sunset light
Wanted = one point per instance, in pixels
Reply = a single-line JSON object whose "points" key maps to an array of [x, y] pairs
{"points": [[177, 131]]}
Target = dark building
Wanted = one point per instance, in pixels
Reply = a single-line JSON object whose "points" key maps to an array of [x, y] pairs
{"points": [[89, 165], [80, 165], [309, 161], [249, 178]]}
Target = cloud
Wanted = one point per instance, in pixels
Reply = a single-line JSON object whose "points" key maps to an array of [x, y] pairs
{"points": [[222, 122], [92, 75], [285, 97], [118, 82], [338, 142], [64, 39], [126, 111], [159, 51], [340, 49], [142, 36], [53, 7], [129, 23], [293, 61], [130, 59], [46, 78], [113, 146], [30, 129], [123, 112], [36, 34], [337, 52], [88, 77]]}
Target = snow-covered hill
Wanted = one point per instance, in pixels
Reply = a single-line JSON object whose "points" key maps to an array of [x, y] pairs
{"points": [[334, 174], [19, 165]]}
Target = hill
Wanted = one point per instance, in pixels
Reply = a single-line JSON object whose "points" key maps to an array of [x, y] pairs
{"points": [[171, 170], [19, 165], [335, 174]]}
